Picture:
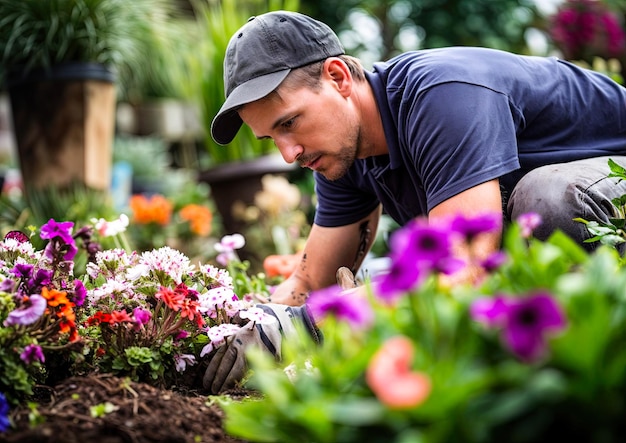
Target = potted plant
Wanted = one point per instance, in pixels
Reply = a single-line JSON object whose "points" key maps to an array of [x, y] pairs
{"points": [[233, 172], [62, 61]]}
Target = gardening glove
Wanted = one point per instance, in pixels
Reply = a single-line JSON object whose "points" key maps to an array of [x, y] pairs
{"points": [[228, 366]]}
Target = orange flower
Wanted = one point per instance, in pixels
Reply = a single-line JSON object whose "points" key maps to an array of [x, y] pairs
{"points": [[389, 376], [199, 218], [69, 327], [55, 297], [155, 209], [281, 265]]}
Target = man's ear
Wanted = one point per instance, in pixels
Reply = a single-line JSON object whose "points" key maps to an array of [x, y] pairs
{"points": [[337, 72]]}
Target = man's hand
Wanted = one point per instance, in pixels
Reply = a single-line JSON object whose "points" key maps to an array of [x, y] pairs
{"points": [[228, 366]]}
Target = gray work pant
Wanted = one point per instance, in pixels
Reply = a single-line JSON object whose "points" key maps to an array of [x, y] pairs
{"points": [[564, 191]]}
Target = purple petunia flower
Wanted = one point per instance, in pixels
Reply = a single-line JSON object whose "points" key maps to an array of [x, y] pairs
{"points": [[525, 321], [402, 276], [331, 301], [62, 230], [494, 261], [4, 413], [416, 250], [80, 292], [32, 353], [422, 242], [29, 314], [22, 270], [470, 227], [42, 277], [7, 285], [59, 233]]}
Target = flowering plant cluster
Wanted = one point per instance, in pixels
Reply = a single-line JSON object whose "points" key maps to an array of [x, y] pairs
{"points": [[38, 301], [147, 315], [584, 29], [159, 221], [534, 351]]}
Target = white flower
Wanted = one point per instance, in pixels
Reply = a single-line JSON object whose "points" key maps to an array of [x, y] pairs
{"points": [[214, 275], [278, 195], [110, 228], [174, 263], [214, 299], [217, 335], [257, 315]]}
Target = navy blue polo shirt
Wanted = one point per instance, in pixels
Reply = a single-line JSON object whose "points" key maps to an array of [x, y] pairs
{"points": [[457, 117]]}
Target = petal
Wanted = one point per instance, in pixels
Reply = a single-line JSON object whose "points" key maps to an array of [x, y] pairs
{"points": [[489, 310], [527, 344]]}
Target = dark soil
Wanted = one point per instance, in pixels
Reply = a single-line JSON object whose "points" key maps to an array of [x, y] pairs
{"points": [[142, 414]]}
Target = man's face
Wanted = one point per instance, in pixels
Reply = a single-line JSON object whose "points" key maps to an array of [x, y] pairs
{"points": [[316, 128]]}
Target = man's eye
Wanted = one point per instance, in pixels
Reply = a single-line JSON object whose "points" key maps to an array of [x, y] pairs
{"points": [[289, 123]]}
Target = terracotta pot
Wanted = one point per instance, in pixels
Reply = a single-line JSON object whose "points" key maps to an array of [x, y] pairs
{"points": [[64, 122]]}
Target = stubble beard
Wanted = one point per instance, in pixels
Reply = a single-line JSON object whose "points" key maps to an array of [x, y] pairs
{"points": [[344, 159]]}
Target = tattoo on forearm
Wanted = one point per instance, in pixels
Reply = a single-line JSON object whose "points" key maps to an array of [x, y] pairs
{"points": [[365, 237]]}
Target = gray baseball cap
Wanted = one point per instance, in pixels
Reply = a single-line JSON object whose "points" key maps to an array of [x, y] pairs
{"points": [[261, 54]]}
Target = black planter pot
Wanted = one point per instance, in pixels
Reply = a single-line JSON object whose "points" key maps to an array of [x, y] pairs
{"points": [[240, 181]]}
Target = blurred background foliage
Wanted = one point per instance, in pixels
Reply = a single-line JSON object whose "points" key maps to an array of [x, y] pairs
{"points": [[393, 26]]}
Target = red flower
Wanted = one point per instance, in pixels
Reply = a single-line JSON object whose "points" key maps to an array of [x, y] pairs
{"points": [[98, 317], [173, 299], [119, 317]]}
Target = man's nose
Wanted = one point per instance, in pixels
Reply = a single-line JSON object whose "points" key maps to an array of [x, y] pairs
{"points": [[289, 149]]}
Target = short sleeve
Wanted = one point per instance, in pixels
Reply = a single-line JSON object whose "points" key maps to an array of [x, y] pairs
{"points": [[342, 202], [459, 136]]}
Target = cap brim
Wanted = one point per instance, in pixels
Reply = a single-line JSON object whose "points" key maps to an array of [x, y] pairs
{"points": [[227, 122]]}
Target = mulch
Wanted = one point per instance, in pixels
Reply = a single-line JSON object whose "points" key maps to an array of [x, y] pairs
{"points": [[139, 413]]}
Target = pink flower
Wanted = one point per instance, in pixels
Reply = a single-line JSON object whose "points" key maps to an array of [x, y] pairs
{"points": [[110, 228], [529, 222], [141, 316], [227, 246], [390, 378], [257, 315], [583, 29]]}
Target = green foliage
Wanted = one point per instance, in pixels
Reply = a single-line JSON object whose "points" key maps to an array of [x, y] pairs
{"points": [[489, 23], [480, 391], [217, 22], [612, 233], [122, 34]]}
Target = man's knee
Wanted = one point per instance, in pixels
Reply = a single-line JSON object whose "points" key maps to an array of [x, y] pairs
{"points": [[562, 192]]}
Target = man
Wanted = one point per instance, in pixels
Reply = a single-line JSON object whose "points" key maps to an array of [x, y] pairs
{"points": [[432, 133], [428, 133]]}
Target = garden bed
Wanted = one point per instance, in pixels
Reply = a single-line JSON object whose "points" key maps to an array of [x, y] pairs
{"points": [[138, 413]]}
